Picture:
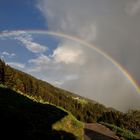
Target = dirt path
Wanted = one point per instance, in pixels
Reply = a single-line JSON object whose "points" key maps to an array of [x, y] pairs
{"points": [[95, 131]]}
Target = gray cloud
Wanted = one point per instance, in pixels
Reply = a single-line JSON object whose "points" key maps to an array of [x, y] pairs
{"points": [[112, 26], [70, 17], [133, 7]]}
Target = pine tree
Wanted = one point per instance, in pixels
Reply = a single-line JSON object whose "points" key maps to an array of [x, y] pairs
{"points": [[2, 72], [6, 74]]}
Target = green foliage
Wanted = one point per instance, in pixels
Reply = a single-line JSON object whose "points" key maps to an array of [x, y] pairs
{"points": [[2, 86], [128, 121], [20, 116], [134, 114], [70, 124], [121, 132]]}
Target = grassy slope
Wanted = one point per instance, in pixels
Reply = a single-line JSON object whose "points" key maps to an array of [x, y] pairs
{"points": [[23, 118]]}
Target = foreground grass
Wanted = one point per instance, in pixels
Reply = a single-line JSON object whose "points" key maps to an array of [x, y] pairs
{"points": [[68, 124], [71, 125], [121, 132], [31, 119]]}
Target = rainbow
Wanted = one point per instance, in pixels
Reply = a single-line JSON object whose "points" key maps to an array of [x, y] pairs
{"points": [[81, 41]]}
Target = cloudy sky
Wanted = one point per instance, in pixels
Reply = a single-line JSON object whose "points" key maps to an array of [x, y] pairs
{"points": [[111, 26]]}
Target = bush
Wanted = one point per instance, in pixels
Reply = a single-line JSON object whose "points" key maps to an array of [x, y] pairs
{"points": [[121, 132]]}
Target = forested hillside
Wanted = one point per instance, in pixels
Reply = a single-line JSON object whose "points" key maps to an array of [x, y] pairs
{"points": [[83, 109]]}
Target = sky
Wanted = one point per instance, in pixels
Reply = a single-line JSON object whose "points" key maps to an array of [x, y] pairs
{"points": [[111, 26], [20, 14]]}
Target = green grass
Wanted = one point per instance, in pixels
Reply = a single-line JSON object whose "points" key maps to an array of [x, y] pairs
{"points": [[135, 114], [68, 124], [121, 132], [31, 119], [2, 86]]}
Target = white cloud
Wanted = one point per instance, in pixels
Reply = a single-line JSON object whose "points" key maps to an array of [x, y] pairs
{"points": [[68, 54], [10, 55], [13, 54], [5, 53], [58, 67], [42, 60], [16, 65], [8, 34], [133, 7], [32, 46], [26, 39]]}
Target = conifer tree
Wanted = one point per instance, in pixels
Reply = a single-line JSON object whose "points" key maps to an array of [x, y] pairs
{"points": [[2, 72]]}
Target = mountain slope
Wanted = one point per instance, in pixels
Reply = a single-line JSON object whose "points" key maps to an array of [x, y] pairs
{"points": [[23, 118], [83, 109]]}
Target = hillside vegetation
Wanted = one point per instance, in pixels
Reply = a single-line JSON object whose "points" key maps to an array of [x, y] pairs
{"points": [[83, 109], [23, 118]]}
